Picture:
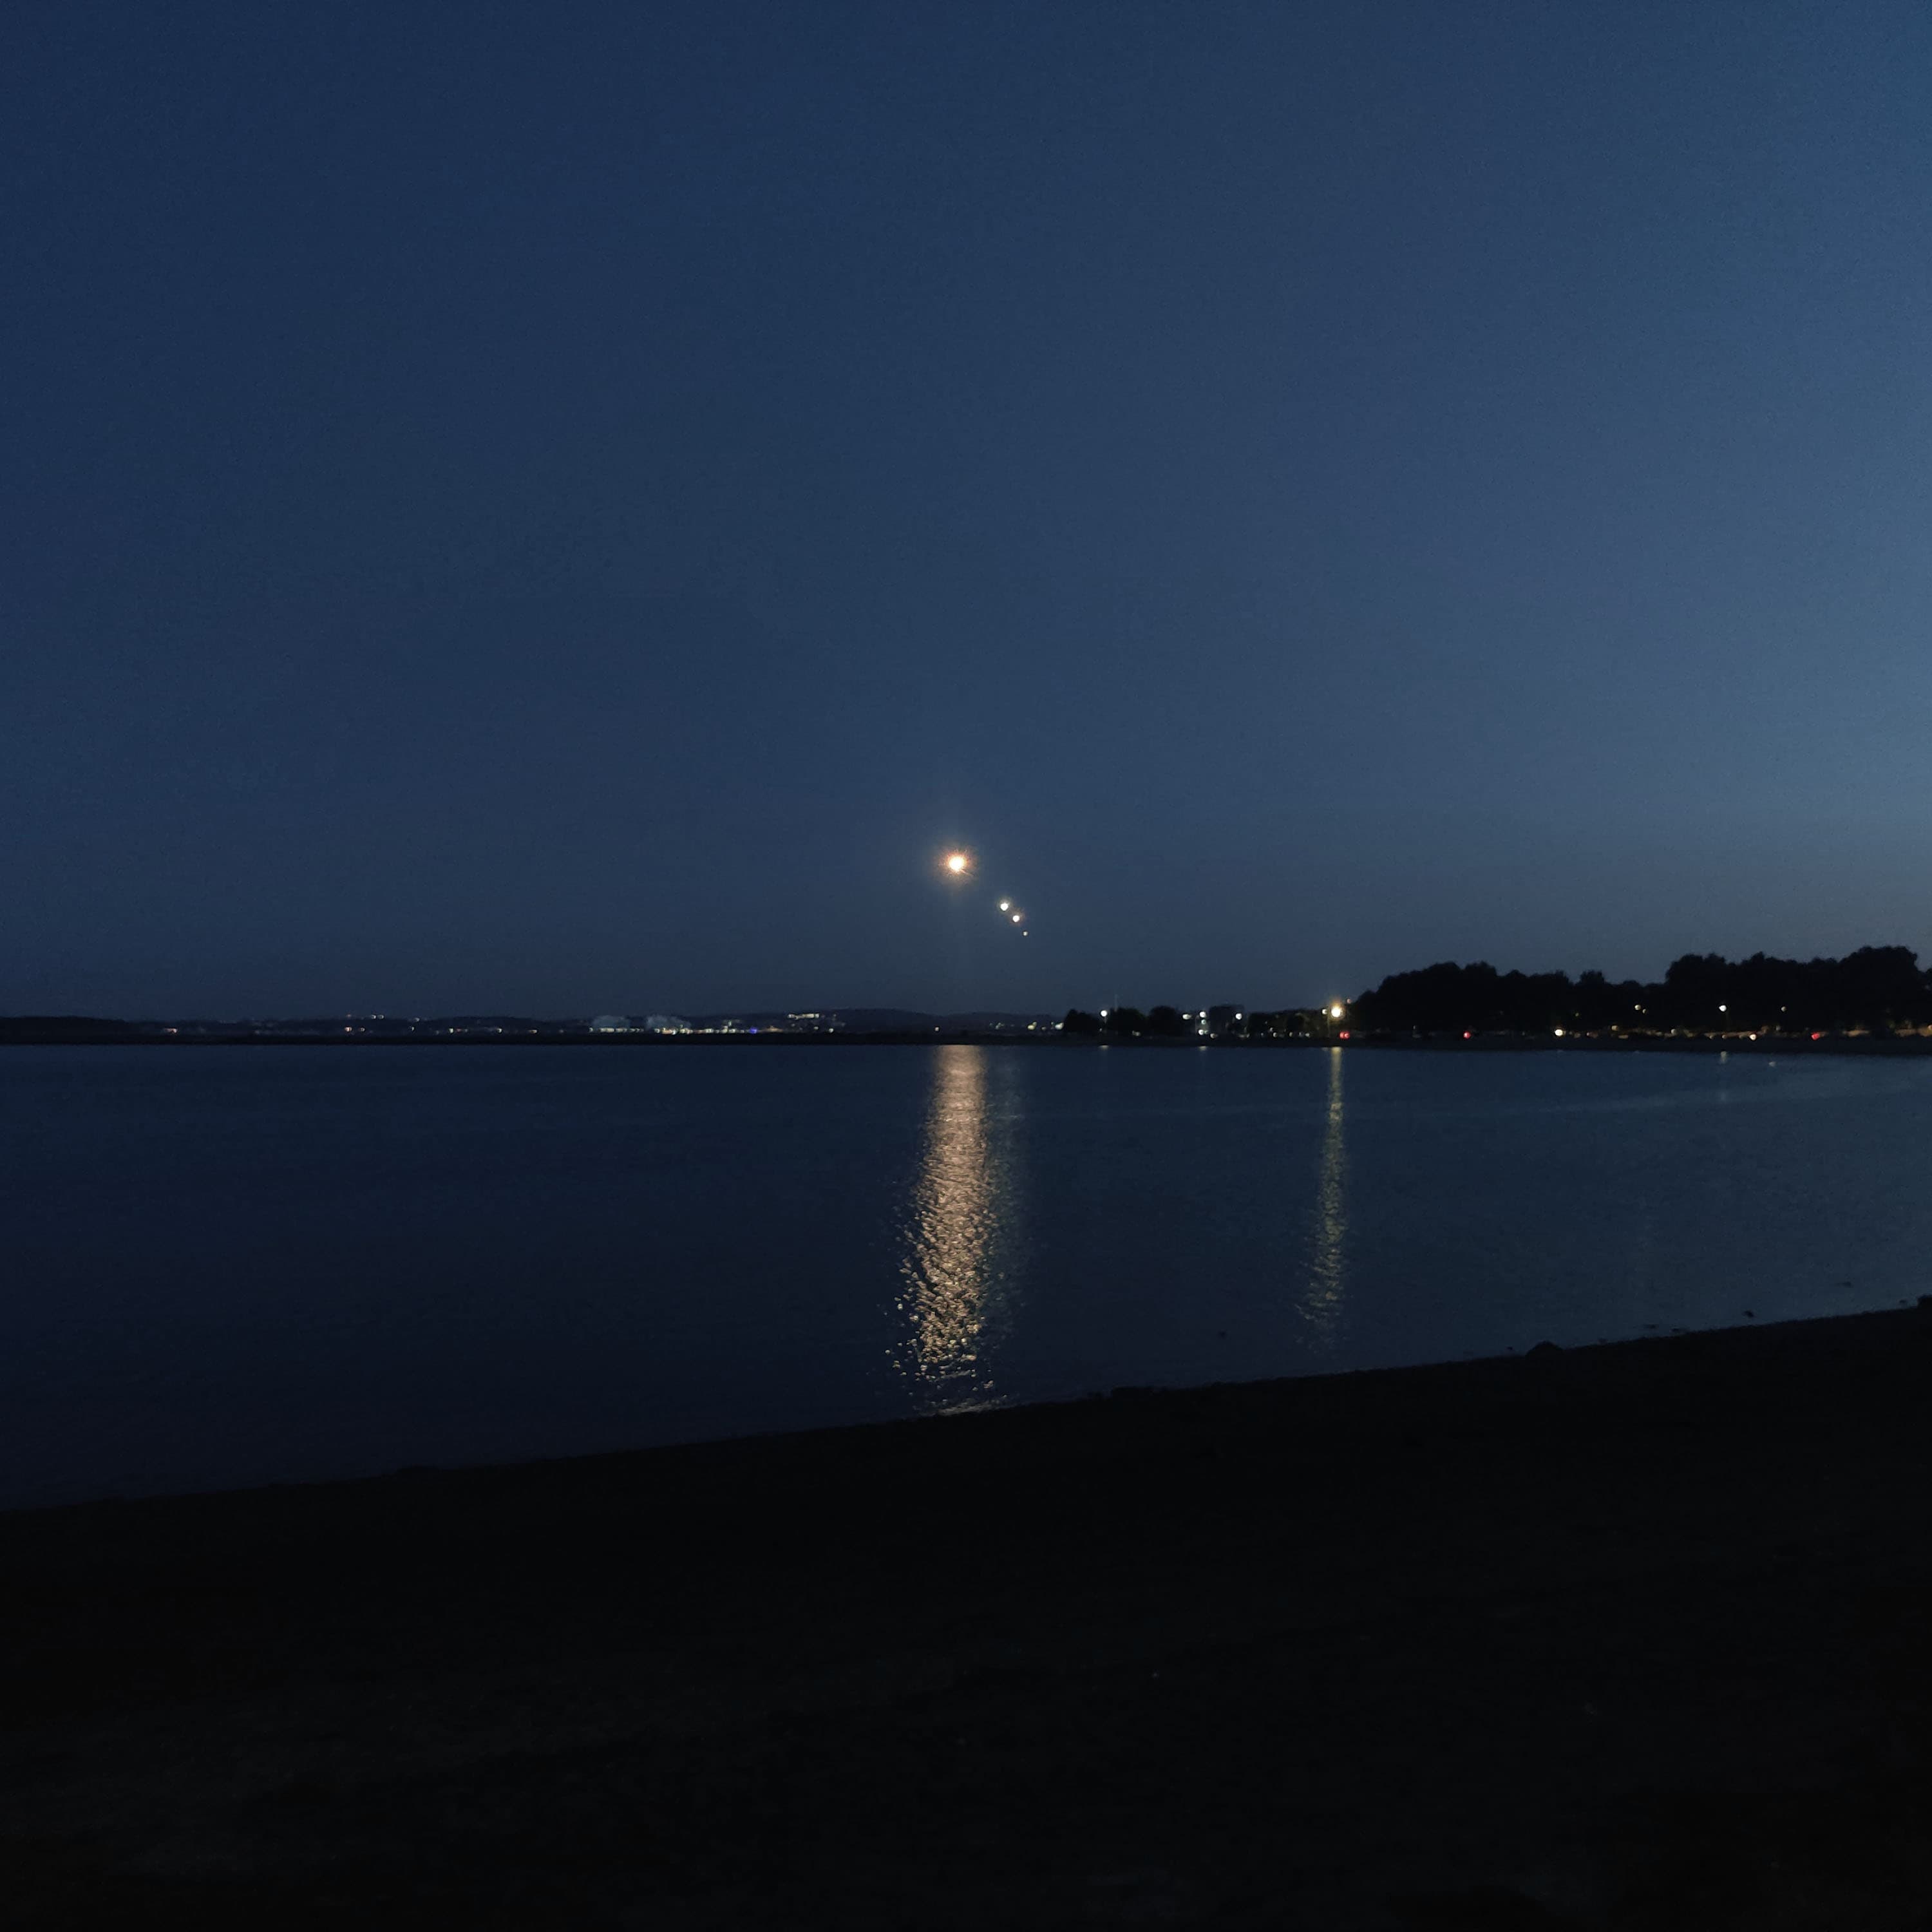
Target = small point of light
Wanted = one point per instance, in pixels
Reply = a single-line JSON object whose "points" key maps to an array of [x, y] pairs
{"points": [[1335, 1011], [956, 863], [1559, 1033], [1006, 905], [1016, 919]]}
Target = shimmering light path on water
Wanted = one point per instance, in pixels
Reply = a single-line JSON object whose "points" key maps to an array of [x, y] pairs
{"points": [[225, 1266]]}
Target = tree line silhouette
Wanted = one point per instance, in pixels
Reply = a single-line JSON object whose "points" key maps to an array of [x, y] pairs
{"points": [[1876, 989]]}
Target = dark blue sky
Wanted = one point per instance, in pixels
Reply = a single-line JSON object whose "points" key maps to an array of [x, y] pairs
{"points": [[562, 509]]}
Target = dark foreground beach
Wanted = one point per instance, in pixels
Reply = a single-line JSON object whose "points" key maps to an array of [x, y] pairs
{"points": [[1638, 1636]]}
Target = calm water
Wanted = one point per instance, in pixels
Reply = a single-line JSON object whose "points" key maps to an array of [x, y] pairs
{"points": [[233, 1266]]}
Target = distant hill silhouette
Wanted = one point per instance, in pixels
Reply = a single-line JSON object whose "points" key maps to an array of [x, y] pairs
{"points": [[64, 1029]]}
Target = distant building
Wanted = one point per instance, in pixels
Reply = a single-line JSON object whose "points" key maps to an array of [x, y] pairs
{"points": [[665, 1023], [612, 1023]]}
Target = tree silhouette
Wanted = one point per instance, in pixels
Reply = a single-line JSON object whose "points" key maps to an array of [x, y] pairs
{"points": [[1877, 988]]}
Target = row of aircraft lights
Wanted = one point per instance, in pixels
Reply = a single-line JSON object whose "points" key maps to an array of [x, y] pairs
{"points": [[960, 863]]}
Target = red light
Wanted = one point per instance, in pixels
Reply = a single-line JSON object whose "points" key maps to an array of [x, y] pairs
{"points": [[1344, 1032], [1817, 1036], [1466, 1036]]}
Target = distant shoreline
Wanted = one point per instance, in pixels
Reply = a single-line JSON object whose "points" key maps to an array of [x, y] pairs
{"points": [[1764, 1047]]}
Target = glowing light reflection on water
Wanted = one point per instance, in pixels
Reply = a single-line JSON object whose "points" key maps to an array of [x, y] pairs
{"points": [[1321, 1302], [951, 1268]]}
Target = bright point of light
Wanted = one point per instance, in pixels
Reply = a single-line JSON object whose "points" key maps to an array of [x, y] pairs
{"points": [[1335, 1011], [1006, 905], [1559, 1033], [956, 863], [1016, 919]]}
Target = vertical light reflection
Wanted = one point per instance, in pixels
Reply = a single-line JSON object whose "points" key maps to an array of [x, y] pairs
{"points": [[950, 1265], [1321, 1304]]}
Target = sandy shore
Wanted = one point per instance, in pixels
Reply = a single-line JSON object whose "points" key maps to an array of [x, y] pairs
{"points": [[1637, 1635]]}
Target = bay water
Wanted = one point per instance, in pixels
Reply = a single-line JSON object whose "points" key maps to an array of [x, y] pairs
{"points": [[227, 1266]]}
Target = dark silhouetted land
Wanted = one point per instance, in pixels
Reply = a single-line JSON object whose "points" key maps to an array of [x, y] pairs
{"points": [[1633, 1636], [1875, 993]]}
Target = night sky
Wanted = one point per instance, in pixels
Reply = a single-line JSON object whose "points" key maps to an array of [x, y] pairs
{"points": [[568, 509]]}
